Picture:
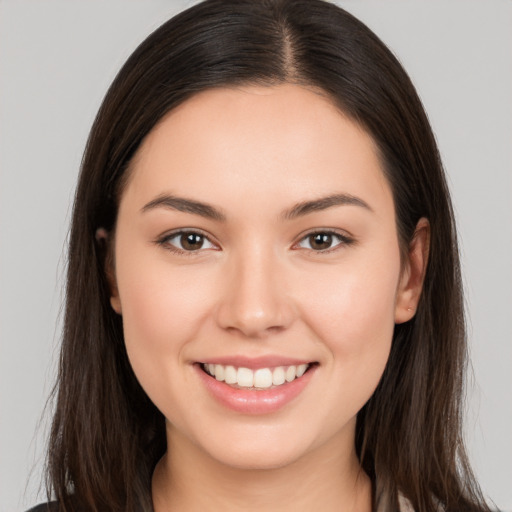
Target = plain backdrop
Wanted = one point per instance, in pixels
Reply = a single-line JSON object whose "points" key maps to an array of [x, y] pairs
{"points": [[57, 59]]}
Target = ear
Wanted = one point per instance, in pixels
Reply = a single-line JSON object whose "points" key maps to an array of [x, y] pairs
{"points": [[413, 273], [102, 238]]}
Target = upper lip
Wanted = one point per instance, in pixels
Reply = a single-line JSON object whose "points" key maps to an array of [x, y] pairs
{"points": [[268, 361]]}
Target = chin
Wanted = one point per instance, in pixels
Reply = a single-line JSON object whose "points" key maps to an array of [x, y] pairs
{"points": [[257, 459], [258, 447]]}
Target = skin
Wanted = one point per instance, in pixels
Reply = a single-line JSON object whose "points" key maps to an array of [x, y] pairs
{"points": [[256, 287]]}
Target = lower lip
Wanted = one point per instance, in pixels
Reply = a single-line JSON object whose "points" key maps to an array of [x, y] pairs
{"points": [[251, 401]]}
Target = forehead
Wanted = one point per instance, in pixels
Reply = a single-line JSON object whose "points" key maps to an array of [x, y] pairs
{"points": [[257, 142]]}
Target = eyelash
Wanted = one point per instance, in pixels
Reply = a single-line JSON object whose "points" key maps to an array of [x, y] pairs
{"points": [[343, 240], [165, 241]]}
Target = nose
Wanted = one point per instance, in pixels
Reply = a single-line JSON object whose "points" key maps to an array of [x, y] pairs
{"points": [[254, 299]]}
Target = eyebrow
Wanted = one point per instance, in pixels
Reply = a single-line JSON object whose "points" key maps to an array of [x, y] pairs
{"points": [[323, 203], [211, 212], [182, 204]]}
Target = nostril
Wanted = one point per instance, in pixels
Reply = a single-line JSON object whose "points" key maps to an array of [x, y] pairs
{"points": [[255, 322]]}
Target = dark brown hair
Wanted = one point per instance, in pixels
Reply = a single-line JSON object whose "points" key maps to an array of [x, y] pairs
{"points": [[107, 435]]}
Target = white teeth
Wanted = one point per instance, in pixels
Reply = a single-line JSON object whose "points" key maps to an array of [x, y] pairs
{"points": [[245, 377], [301, 369], [219, 372], [291, 372], [230, 375], [278, 376], [262, 378]]}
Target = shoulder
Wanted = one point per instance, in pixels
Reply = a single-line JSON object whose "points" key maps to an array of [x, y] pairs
{"points": [[46, 507]]}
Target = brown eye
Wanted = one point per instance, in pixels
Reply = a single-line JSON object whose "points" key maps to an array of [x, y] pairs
{"points": [[191, 241], [320, 241], [324, 241], [186, 241]]}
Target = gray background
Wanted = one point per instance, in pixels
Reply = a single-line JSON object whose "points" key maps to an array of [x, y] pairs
{"points": [[56, 60]]}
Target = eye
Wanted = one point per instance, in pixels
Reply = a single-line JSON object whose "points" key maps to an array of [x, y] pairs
{"points": [[186, 241], [324, 241]]}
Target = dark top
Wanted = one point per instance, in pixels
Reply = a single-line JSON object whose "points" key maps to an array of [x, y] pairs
{"points": [[46, 507]]}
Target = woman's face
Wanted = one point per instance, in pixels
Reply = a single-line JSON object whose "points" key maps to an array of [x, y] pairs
{"points": [[256, 235]]}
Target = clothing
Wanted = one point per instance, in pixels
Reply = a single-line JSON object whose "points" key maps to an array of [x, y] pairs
{"points": [[46, 507], [404, 505]]}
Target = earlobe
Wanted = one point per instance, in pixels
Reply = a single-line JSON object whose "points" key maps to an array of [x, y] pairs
{"points": [[413, 274], [115, 303], [105, 243]]}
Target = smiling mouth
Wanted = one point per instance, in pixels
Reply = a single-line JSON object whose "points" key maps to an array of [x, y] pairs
{"points": [[257, 379]]}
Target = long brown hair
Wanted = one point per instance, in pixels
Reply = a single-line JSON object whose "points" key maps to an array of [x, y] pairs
{"points": [[107, 435]]}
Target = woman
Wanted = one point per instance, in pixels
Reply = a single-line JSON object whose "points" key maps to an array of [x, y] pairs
{"points": [[264, 304]]}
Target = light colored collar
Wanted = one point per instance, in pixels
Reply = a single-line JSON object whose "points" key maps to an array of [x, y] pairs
{"points": [[404, 505]]}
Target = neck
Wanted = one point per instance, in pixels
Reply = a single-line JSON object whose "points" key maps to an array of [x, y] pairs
{"points": [[189, 480]]}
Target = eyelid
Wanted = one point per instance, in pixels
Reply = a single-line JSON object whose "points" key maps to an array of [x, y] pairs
{"points": [[163, 241], [343, 236]]}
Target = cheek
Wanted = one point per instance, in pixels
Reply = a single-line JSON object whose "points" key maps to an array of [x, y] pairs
{"points": [[160, 303], [351, 308], [162, 310]]}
